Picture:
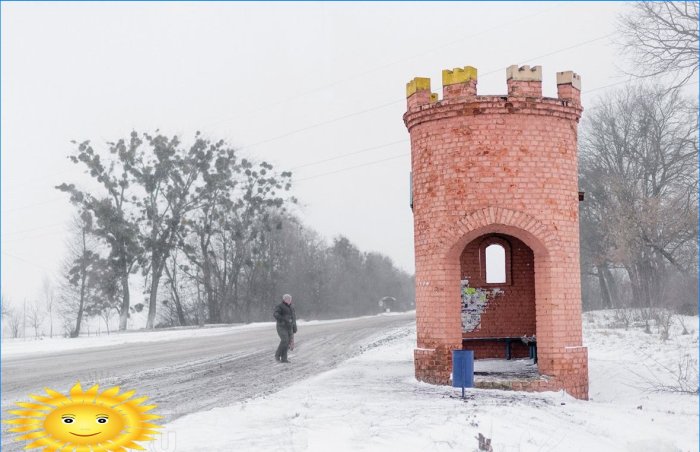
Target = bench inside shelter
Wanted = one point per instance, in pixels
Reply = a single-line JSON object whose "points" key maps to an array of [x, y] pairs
{"points": [[530, 341]]}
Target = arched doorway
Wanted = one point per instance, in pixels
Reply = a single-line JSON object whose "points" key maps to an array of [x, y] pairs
{"points": [[498, 308]]}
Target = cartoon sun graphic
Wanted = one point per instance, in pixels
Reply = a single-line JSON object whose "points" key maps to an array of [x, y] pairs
{"points": [[84, 421]]}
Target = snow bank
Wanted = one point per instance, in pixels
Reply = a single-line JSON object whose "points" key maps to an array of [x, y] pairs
{"points": [[373, 403], [16, 347]]}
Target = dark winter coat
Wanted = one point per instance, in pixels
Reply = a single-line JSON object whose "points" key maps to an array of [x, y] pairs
{"points": [[285, 316]]}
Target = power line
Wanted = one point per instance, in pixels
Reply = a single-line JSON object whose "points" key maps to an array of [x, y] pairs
{"points": [[313, 126], [358, 75], [367, 110], [5, 234], [361, 150], [27, 206], [572, 46], [38, 179], [34, 237], [378, 107], [342, 155], [392, 63], [403, 155], [25, 261], [349, 154], [354, 167], [606, 86]]}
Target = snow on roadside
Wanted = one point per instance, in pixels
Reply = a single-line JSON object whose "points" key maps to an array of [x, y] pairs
{"points": [[626, 365], [21, 347], [17, 347], [373, 403]]}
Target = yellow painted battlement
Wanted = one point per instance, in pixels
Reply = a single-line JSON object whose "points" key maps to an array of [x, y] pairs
{"points": [[417, 84], [458, 75]]}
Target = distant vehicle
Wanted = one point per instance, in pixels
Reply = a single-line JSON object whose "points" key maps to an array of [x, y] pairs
{"points": [[386, 303]]}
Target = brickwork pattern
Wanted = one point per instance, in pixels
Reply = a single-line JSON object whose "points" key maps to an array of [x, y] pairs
{"points": [[497, 165]]}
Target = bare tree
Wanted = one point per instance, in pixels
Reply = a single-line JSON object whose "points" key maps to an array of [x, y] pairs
{"points": [[36, 317], [104, 290], [171, 273], [5, 305], [76, 289], [108, 212], [662, 38], [47, 290], [639, 156], [14, 320]]}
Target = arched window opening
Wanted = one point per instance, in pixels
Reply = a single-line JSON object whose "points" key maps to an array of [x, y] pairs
{"points": [[495, 264]]}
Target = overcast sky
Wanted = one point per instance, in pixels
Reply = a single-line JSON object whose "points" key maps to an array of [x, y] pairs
{"points": [[318, 88]]}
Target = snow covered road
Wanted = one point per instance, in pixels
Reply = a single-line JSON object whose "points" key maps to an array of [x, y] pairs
{"points": [[191, 374]]}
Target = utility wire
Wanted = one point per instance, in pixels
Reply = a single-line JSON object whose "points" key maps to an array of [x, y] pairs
{"points": [[318, 162], [395, 62], [341, 155], [25, 261], [370, 109], [606, 86], [33, 237], [378, 107], [52, 225], [405, 155], [313, 126], [27, 206], [354, 167]]}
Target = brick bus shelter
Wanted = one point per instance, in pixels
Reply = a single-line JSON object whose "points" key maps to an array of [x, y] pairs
{"points": [[495, 203]]}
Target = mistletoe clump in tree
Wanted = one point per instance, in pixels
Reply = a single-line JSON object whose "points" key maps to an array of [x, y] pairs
{"points": [[157, 194]]}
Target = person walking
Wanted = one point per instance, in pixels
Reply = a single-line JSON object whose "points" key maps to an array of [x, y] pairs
{"points": [[286, 326]]}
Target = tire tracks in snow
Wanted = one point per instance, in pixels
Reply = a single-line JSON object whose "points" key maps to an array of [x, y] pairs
{"points": [[189, 375]]}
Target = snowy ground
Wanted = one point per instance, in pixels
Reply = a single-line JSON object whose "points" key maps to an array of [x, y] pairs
{"points": [[373, 403], [187, 374]]}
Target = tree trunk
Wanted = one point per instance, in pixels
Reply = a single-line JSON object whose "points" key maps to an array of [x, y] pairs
{"points": [[152, 298], [206, 280], [612, 286], [124, 311], [180, 312], [76, 332], [83, 278], [634, 285], [176, 296], [201, 309], [604, 292]]}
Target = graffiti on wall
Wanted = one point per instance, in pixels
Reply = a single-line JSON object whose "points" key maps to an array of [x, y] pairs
{"points": [[474, 301]]}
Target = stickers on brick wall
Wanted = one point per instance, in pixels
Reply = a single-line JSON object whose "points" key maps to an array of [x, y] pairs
{"points": [[474, 301]]}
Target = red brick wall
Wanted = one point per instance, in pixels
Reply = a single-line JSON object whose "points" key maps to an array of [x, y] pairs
{"points": [[511, 313], [497, 165]]}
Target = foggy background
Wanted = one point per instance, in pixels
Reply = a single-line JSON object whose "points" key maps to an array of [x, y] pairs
{"points": [[293, 84]]}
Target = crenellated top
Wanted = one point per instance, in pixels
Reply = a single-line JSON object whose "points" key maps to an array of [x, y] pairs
{"points": [[524, 93], [524, 73], [458, 75]]}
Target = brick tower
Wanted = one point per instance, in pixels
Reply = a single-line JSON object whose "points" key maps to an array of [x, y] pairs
{"points": [[497, 170]]}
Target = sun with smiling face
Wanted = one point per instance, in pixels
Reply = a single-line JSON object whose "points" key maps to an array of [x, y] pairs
{"points": [[84, 421]]}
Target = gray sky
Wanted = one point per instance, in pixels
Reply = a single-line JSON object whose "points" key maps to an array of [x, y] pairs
{"points": [[293, 84]]}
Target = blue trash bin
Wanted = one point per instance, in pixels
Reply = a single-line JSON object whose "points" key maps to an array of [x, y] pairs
{"points": [[462, 368]]}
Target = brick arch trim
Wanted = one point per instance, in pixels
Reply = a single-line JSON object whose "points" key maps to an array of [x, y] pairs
{"points": [[542, 239]]}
